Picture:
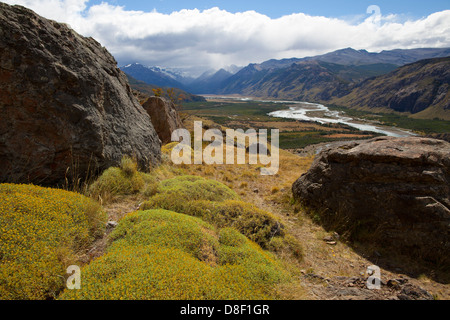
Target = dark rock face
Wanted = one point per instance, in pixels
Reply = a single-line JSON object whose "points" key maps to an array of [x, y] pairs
{"points": [[63, 103], [397, 189], [164, 117]]}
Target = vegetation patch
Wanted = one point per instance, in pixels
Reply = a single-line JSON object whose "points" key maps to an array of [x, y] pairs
{"points": [[174, 194], [42, 232], [217, 204], [125, 180], [159, 254]]}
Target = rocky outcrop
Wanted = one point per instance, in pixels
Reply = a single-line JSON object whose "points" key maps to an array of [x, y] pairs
{"points": [[164, 117], [64, 103], [393, 191]]}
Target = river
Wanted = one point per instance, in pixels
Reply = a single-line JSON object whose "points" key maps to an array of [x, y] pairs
{"points": [[319, 113]]}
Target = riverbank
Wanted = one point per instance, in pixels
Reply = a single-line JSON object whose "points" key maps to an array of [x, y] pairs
{"points": [[314, 112]]}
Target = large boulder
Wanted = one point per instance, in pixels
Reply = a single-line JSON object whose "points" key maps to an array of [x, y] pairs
{"points": [[165, 117], [65, 106], [393, 191]]}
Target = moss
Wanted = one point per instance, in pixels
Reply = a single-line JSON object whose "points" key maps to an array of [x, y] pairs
{"points": [[42, 232], [158, 254]]}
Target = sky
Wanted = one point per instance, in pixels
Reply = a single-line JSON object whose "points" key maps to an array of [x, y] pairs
{"points": [[202, 34], [278, 8]]}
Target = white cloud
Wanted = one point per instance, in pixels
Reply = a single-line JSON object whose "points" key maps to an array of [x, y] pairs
{"points": [[215, 38]]}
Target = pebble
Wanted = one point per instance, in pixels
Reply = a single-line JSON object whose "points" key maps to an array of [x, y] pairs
{"points": [[111, 224]]}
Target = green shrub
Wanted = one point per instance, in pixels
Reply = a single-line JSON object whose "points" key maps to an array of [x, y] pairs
{"points": [[258, 225], [174, 194], [42, 232], [166, 229], [114, 181], [159, 254], [125, 180], [196, 188], [219, 205]]}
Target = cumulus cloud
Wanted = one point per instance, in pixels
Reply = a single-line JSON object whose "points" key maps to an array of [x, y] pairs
{"points": [[216, 38]]}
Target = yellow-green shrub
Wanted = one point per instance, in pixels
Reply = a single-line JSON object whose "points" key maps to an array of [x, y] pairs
{"points": [[219, 205], [159, 254], [165, 228], [117, 181], [41, 232], [128, 166], [258, 225], [174, 194]]}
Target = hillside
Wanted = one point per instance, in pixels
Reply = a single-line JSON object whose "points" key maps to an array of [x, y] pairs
{"points": [[419, 88], [209, 83], [97, 207], [309, 81]]}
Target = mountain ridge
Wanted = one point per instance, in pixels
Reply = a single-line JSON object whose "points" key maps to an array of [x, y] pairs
{"points": [[420, 88]]}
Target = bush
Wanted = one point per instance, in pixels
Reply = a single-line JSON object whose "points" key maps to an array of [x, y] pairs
{"points": [[174, 194], [258, 225], [43, 231], [159, 254], [219, 205], [126, 180], [129, 166]]}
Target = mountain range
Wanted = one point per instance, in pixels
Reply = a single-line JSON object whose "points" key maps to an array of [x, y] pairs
{"points": [[343, 77]]}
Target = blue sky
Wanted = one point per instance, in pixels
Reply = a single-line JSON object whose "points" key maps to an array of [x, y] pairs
{"points": [[223, 33], [278, 8]]}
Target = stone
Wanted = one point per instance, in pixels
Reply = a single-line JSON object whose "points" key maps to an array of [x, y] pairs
{"points": [[66, 107], [411, 292], [111, 225], [396, 188], [164, 117]]}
